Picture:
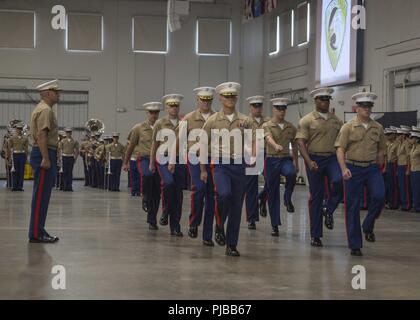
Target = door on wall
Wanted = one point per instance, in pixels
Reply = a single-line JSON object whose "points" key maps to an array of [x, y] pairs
{"points": [[72, 111], [407, 90]]}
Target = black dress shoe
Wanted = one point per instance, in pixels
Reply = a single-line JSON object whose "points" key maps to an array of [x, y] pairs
{"points": [[356, 252], [289, 207], [370, 237], [405, 210], [219, 236], [177, 234], [193, 232], [316, 242], [263, 208], [153, 227], [275, 232], [163, 220], [144, 206], [252, 226], [232, 251], [329, 219], [208, 243], [15, 189], [44, 239]]}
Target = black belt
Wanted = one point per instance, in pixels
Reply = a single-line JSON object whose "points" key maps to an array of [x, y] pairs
{"points": [[322, 154]]}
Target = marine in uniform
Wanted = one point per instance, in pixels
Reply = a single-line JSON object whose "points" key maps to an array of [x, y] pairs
{"points": [[279, 136], [415, 168], [83, 153], [116, 151], [361, 146], [6, 156], [316, 136], [202, 193], [101, 162], [403, 169], [133, 172], [391, 169], [390, 136], [43, 159], [251, 190], [59, 181], [228, 166], [141, 140], [94, 174], [18, 149], [172, 176], [68, 151]]}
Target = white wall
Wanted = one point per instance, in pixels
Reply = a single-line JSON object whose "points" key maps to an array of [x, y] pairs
{"points": [[117, 76], [392, 41]]}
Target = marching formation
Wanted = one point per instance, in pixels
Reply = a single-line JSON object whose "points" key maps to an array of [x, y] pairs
{"points": [[358, 163]]}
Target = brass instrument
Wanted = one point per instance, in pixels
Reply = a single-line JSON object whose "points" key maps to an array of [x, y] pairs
{"points": [[94, 126]]}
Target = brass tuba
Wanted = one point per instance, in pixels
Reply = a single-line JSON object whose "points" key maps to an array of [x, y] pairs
{"points": [[94, 126], [12, 125]]}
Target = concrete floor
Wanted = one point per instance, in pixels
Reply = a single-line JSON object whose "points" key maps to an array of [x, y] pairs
{"points": [[109, 253]]}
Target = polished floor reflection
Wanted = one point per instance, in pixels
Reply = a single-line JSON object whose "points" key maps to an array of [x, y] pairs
{"points": [[109, 253]]}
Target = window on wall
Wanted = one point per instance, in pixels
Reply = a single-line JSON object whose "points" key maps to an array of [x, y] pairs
{"points": [[214, 37], [274, 28], [303, 24], [150, 34], [84, 32], [286, 30], [17, 29]]}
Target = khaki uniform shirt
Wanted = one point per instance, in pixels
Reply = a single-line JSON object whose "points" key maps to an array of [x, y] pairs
{"points": [[100, 152], [43, 117], [281, 136], [319, 133], [259, 125], [361, 144], [403, 152], [392, 151], [83, 147], [68, 146], [117, 150], [415, 157], [220, 121], [18, 143], [195, 120], [160, 124], [141, 137]]}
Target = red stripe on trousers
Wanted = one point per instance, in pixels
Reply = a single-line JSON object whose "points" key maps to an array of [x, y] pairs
{"points": [[161, 189], [327, 187], [38, 201], [216, 211], [193, 190]]}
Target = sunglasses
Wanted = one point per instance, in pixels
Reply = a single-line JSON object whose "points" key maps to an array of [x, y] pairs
{"points": [[324, 98], [230, 97]]}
